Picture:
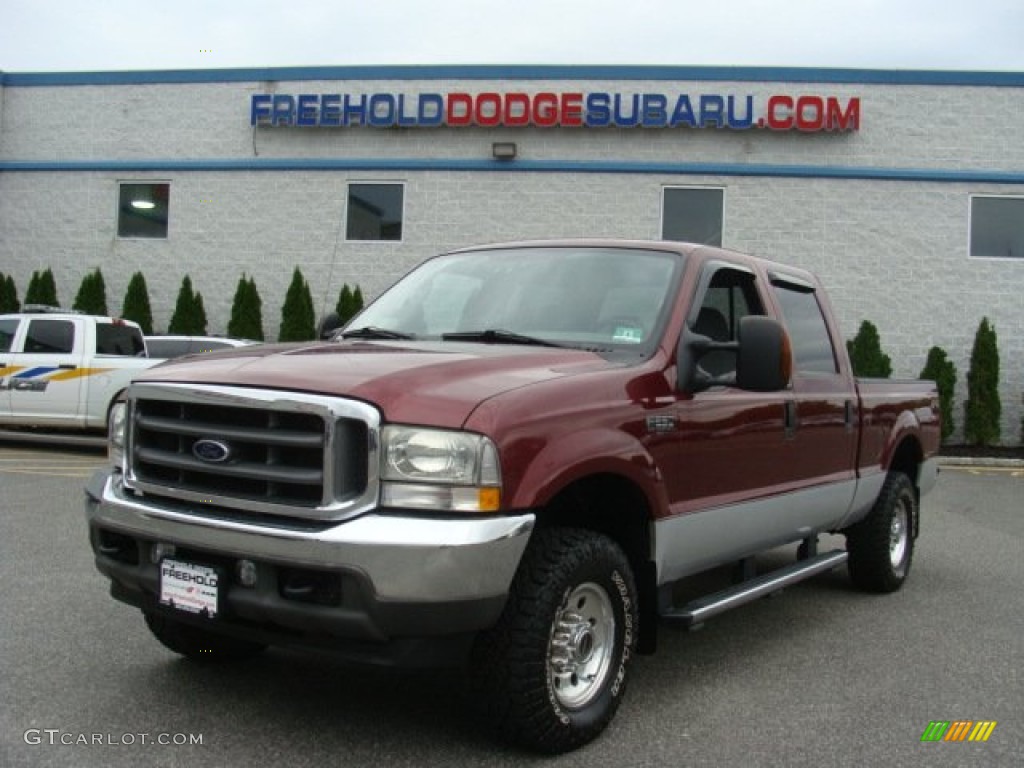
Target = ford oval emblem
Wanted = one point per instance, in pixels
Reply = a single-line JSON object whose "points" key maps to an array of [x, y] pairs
{"points": [[211, 451]]}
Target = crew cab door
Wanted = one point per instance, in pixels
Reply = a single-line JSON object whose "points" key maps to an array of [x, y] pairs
{"points": [[822, 415], [732, 443], [47, 387]]}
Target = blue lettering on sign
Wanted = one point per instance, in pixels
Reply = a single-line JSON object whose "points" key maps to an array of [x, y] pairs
{"points": [[330, 109], [598, 110], [353, 112], [711, 108], [283, 110], [683, 113], [307, 109], [741, 122], [622, 120], [382, 110], [430, 111], [654, 110], [259, 108]]}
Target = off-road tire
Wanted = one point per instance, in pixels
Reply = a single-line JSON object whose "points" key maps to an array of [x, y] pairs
{"points": [[881, 546], [199, 644], [549, 677]]}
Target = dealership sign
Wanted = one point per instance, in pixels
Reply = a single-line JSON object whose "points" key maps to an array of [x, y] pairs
{"points": [[491, 109]]}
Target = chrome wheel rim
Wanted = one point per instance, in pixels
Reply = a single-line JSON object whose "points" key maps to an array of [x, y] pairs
{"points": [[582, 645], [899, 535]]}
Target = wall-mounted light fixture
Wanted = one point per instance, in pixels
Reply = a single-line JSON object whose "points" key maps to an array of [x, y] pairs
{"points": [[143, 205], [503, 150]]}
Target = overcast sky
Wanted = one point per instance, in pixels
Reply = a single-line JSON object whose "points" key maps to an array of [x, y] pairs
{"points": [[78, 35]]}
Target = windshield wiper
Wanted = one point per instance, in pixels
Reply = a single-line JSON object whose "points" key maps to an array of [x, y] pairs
{"points": [[498, 336], [372, 332]]}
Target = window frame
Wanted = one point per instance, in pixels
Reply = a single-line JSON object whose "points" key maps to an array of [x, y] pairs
{"points": [[782, 282], [695, 188], [348, 209], [970, 227], [41, 322], [117, 210]]}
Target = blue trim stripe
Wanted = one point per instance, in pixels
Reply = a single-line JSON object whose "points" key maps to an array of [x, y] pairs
{"points": [[522, 166], [520, 72], [33, 372]]}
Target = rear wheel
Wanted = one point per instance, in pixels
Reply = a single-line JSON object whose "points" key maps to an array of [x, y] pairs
{"points": [[881, 546], [551, 674], [199, 644]]}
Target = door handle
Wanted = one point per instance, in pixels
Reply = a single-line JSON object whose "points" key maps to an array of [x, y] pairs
{"points": [[790, 419], [68, 367]]}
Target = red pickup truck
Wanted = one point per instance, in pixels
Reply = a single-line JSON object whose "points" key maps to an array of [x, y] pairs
{"points": [[510, 460]]}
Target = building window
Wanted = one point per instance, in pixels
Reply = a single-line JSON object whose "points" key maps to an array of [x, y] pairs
{"points": [[142, 209], [375, 212], [997, 227], [692, 214]]}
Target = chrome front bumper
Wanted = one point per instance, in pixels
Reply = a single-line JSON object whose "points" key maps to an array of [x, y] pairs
{"points": [[391, 561]]}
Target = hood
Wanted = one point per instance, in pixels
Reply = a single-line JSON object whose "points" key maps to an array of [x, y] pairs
{"points": [[435, 383]]}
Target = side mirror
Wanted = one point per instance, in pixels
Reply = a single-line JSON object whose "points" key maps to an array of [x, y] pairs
{"points": [[765, 357]]}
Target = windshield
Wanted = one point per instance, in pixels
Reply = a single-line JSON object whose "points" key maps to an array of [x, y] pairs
{"points": [[609, 300]]}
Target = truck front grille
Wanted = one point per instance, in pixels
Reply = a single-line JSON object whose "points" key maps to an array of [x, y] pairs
{"points": [[269, 452]]}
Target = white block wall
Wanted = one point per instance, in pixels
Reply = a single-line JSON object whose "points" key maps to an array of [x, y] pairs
{"points": [[893, 252]]}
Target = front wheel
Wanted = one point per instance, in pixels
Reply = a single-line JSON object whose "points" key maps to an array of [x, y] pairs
{"points": [[881, 545], [551, 674]]}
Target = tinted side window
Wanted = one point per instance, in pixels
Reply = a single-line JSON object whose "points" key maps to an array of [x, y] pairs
{"points": [[122, 340], [50, 337], [7, 330], [167, 347], [808, 331], [730, 296]]}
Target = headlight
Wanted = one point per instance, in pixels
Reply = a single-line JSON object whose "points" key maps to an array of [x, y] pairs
{"points": [[439, 470], [117, 428]]}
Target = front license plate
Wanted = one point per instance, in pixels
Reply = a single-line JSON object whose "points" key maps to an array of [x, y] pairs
{"points": [[189, 587]]}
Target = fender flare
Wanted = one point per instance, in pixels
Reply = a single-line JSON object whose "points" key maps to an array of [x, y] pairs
{"points": [[578, 455]]}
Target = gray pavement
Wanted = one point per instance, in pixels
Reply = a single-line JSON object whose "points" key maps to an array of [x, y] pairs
{"points": [[819, 676]]}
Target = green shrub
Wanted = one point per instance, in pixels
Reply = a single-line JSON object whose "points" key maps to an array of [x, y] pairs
{"points": [[298, 320], [866, 355], [8, 295], [92, 294], [350, 302], [189, 316], [42, 289], [246, 311], [940, 369], [136, 304], [983, 409]]}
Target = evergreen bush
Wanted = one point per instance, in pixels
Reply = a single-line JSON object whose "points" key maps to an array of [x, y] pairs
{"points": [[350, 302], [136, 304], [866, 355], [8, 295], [92, 294], [246, 311], [42, 289], [983, 409], [298, 320], [940, 369], [189, 318]]}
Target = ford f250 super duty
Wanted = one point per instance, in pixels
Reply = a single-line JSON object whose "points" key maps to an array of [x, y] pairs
{"points": [[509, 460]]}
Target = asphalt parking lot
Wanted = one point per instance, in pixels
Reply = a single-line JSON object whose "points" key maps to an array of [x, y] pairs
{"points": [[818, 676]]}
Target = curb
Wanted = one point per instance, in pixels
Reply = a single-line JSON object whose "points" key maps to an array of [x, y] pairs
{"points": [[969, 461]]}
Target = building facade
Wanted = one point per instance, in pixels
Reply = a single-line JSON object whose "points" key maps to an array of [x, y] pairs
{"points": [[903, 190]]}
